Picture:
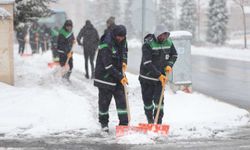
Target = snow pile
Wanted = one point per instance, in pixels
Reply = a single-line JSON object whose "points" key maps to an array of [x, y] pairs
{"points": [[135, 138], [200, 116], [4, 13], [41, 111], [222, 52], [40, 104]]}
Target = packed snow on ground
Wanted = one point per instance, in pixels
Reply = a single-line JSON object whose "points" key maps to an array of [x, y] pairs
{"points": [[41, 104], [222, 52]]}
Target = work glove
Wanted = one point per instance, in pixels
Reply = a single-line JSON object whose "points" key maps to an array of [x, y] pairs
{"points": [[69, 55], [124, 81], [163, 79], [168, 69], [124, 67]]}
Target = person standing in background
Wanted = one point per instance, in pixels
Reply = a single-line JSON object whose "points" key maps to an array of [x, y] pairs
{"points": [[88, 38]]}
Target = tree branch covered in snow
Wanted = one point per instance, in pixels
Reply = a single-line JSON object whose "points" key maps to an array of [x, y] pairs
{"points": [[166, 16], [188, 16], [30, 10], [217, 22]]}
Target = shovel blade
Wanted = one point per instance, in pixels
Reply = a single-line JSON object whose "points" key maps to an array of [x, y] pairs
{"points": [[53, 64], [125, 130], [156, 128]]}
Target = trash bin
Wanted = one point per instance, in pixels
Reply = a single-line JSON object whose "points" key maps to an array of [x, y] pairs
{"points": [[181, 77]]}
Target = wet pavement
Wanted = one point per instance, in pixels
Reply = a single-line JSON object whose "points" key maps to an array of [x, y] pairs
{"points": [[237, 141], [226, 80]]}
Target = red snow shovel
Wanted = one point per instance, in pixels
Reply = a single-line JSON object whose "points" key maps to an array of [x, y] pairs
{"points": [[65, 68], [156, 128], [53, 64], [143, 127], [121, 130]]}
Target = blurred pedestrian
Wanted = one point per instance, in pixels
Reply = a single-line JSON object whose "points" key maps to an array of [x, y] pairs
{"points": [[88, 38], [65, 43]]}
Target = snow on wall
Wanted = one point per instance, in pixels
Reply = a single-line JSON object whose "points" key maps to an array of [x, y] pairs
{"points": [[4, 13], [6, 1]]}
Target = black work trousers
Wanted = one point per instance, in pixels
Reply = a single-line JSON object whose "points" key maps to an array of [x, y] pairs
{"points": [[151, 95], [105, 96]]}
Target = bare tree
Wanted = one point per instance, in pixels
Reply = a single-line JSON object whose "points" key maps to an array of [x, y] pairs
{"points": [[242, 4]]}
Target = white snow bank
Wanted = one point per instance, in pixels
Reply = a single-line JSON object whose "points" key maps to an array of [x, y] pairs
{"points": [[222, 52], [40, 111], [41, 105]]}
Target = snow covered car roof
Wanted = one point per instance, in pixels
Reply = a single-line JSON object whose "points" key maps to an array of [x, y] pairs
{"points": [[4, 14]]}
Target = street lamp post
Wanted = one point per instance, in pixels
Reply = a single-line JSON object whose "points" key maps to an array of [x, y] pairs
{"points": [[143, 18]]}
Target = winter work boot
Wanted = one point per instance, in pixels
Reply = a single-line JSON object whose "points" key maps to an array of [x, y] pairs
{"points": [[105, 128], [67, 75], [159, 121], [87, 76], [150, 120], [93, 75], [149, 116]]}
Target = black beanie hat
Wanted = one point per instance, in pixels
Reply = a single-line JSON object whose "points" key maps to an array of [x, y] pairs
{"points": [[119, 30], [68, 23]]}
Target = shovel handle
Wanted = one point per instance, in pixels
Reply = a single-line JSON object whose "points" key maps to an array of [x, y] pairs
{"points": [[127, 103], [126, 100], [160, 103]]}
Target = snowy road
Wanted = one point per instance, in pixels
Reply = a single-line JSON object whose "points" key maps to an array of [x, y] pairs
{"points": [[239, 141], [227, 80]]}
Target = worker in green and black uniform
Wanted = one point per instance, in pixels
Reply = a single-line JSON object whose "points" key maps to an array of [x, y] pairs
{"points": [[158, 58], [111, 64], [66, 39]]}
